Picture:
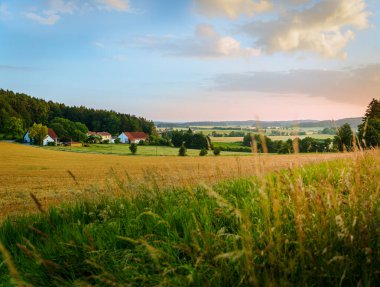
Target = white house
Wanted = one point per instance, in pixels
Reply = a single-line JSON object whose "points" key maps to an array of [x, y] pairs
{"points": [[51, 137], [103, 135], [132, 137]]}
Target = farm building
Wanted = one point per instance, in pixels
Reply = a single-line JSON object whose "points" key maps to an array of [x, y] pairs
{"points": [[51, 137], [132, 137], [104, 135]]}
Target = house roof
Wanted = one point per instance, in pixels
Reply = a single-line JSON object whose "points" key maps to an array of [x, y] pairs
{"points": [[91, 133], [52, 133], [136, 135]]}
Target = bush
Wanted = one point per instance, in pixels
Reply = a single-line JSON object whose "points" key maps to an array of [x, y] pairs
{"points": [[203, 152], [182, 150], [142, 143], [106, 142], [117, 140], [216, 151], [133, 148], [51, 144]]}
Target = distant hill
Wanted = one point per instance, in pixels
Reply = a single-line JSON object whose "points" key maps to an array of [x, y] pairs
{"points": [[354, 122]]}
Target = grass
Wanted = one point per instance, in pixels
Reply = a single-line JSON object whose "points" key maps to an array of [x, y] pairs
{"points": [[312, 226], [56, 177], [123, 149]]}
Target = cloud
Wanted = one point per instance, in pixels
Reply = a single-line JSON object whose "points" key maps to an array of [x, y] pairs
{"points": [[324, 28], [231, 8], [120, 5], [205, 43], [61, 6], [55, 9], [47, 18], [355, 85], [4, 12]]}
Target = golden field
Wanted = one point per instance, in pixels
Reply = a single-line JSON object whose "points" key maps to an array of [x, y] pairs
{"points": [[55, 177]]}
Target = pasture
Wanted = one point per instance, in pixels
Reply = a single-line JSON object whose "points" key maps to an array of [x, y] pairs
{"points": [[56, 177], [123, 149], [316, 225]]}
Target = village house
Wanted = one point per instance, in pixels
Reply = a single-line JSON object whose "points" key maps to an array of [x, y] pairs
{"points": [[132, 137], [51, 137], [104, 135]]}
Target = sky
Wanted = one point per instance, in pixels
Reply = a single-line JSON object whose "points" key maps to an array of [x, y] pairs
{"points": [[196, 60]]}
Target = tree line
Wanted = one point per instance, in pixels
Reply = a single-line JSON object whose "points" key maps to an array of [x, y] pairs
{"points": [[19, 111]]}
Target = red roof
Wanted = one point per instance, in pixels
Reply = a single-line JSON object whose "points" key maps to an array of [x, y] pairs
{"points": [[52, 134], [136, 135], [92, 133], [104, 133]]}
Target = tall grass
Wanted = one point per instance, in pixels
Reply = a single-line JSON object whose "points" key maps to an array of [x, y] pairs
{"points": [[313, 226]]}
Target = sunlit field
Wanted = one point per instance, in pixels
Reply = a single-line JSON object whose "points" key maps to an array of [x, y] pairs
{"points": [[56, 177], [316, 225], [123, 149]]}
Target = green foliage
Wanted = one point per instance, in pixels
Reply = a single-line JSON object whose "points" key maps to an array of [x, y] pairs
{"points": [[92, 139], [32, 110], [157, 140], [369, 131], [344, 138], [133, 148], [13, 127], [314, 226], [38, 133], [216, 151], [182, 150], [190, 139], [67, 130], [203, 152]]}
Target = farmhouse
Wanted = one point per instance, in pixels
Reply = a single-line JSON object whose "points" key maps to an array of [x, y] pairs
{"points": [[132, 137], [51, 137], [103, 135]]}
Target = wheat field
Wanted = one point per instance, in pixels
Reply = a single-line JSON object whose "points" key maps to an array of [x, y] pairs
{"points": [[55, 177]]}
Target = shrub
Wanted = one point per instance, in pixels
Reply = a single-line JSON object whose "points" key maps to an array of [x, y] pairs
{"points": [[51, 144], [216, 151], [182, 150], [203, 152], [133, 148]]}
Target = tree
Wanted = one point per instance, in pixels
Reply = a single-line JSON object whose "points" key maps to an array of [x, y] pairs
{"points": [[68, 130], [216, 151], [182, 150], [203, 152], [344, 138], [369, 130], [38, 133], [14, 127], [133, 148]]}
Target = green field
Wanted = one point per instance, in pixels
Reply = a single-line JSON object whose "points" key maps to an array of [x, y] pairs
{"points": [[123, 149], [312, 226]]}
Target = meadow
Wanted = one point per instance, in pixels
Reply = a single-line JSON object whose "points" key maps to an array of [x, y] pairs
{"points": [[56, 177], [310, 225], [123, 149]]}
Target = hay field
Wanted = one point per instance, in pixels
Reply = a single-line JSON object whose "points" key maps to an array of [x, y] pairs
{"points": [[55, 177]]}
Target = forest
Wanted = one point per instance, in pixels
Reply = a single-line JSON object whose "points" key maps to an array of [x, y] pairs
{"points": [[23, 110]]}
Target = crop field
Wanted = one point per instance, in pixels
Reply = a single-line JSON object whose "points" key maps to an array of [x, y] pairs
{"points": [[123, 149], [55, 177], [315, 225]]}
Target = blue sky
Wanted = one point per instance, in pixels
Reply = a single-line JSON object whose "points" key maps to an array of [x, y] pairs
{"points": [[195, 59]]}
